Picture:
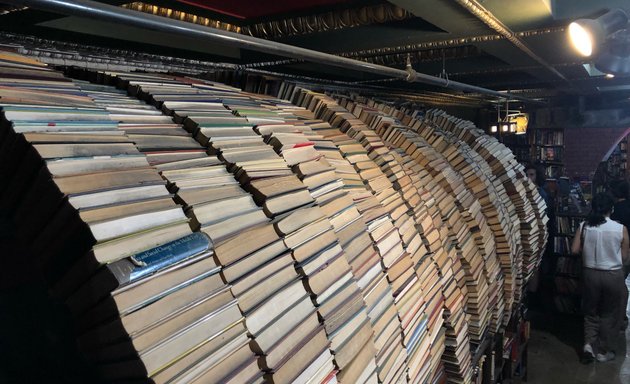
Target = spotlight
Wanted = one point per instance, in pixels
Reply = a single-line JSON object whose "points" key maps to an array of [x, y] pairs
{"points": [[505, 127], [494, 129], [512, 127], [581, 39], [587, 35], [610, 76]]}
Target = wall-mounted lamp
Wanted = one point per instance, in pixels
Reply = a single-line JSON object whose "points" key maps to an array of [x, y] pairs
{"points": [[588, 35]]}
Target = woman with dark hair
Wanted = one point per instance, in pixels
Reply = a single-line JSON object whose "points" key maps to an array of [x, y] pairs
{"points": [[537, 176], [604, 247]]}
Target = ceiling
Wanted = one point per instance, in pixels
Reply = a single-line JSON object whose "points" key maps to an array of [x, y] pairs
{"points": [[471, 45]]}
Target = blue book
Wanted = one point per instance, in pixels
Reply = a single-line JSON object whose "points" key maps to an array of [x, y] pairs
{"points": [[135, 268], [150, 261], [419, 331]]}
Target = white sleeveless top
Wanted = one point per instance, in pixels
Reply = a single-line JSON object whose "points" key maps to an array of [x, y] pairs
{"points": [[602, 246]]}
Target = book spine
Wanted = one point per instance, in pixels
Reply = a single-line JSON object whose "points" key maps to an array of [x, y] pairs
{"points": [[155, 259]]}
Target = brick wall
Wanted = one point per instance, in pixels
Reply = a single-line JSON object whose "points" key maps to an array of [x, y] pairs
{"points": [[585, 148]]}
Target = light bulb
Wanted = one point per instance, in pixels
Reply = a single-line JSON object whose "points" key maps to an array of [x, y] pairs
{"points": [[581, 39]]}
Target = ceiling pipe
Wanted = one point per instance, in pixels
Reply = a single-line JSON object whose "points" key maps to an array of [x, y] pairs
{"points": [[447, 43], [493, 22], [421, 46], [109, 13]]}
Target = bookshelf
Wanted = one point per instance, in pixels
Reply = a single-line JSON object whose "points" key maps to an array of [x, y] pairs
{"points": [[566, 266], [506, 357], [548, 150], [614, 168], [521, 146]]}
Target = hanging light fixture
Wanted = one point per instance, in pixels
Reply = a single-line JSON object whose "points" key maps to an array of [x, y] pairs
{"points": [[521, 121], [588, 35]]}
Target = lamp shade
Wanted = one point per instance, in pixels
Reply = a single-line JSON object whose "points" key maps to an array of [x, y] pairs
{"points": [[588, 35], [585, 36], [614, 57], [521, 121]]}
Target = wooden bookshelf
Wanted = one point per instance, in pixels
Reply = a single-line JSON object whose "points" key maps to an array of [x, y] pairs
{"points": [[521, 146], [566, 272], [548, 150], [507, 355], [614, 168]]}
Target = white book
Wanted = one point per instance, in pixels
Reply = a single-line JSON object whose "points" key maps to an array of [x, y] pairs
{"points": [[118, 196], [112, 229]]}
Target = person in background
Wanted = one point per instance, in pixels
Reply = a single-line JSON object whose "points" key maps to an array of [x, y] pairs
{"points": [[603, 244], [621, 214], [537, 176]]}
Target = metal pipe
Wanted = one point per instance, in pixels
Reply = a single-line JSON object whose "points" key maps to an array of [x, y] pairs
{"points": [[99, 11]]}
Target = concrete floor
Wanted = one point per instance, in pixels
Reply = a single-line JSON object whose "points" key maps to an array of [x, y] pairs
{"points": [[554, 349]]}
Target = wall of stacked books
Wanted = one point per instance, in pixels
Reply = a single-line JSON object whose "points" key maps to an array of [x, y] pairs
{"points": [[198, 233]]}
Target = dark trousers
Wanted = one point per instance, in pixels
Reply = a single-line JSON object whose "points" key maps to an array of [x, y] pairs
{"points": [[602, 299]]}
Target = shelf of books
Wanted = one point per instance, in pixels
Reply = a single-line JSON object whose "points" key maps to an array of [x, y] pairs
{"points": [[506, 357], [567, 266], [515, 348], [200, 233], [614, 168], [549, 150], [520, 144]]}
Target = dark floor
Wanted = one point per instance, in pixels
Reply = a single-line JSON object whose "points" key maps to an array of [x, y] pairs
{"points": [[553, 354]]}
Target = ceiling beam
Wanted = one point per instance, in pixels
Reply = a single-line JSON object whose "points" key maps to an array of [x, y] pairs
{"points": [[97, 11], [493, 22]]}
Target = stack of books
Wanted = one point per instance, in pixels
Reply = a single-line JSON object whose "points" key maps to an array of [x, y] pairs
{"points": [[519, 190], [416, 337], [355, 171], [258, 262], [452, 217], [145, 292], [200, 233], [415, 319], [524, 264], [349, 329], [283, 190], [196, 179], [495, 279], [527, 209]]}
